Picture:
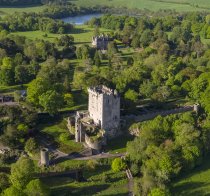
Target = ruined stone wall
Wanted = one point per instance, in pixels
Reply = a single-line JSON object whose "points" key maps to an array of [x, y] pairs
{"points": [[96, 145]]}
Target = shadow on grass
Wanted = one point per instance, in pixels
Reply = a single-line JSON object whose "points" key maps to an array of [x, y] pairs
{"points": [[78, 31], [87, 191], [189, 189], [82, 43], [118, 143]]}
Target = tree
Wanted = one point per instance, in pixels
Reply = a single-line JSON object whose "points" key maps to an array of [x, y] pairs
{"points": [[159, 192], [31, 146], [13, 191], [69, 99], [111, 50], [7, 72], [97, 60], [4, 181], [146, 38], [131, 95], [51, 101], [96, 31], [21, 173], [36, 88], [23, 128], [37, 188], [147, 89], [162, 94], [118, 165]]}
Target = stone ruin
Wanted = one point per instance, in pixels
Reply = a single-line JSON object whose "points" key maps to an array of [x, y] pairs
{"points": [[101, 121]]}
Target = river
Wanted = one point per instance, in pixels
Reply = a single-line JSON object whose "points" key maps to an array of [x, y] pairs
{"points": [[80, 20]]}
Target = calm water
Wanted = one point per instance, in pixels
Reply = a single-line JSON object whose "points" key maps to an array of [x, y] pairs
{"points": [[80, 20]]}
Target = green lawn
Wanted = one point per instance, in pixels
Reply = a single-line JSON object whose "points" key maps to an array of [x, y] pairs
{"points": [[196, 183], [12, 10], [8, 89], [82, 34], [94, 184], [118, 144], [54, 131], [179, 5]]}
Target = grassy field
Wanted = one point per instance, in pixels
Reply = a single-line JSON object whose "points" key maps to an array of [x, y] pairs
{"points": [[11, 10], [179, 5], [82, 34], [94, 184], [195, 183], [54, 131]]}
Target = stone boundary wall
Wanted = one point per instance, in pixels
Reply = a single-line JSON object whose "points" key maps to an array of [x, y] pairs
{"points": [[149, 116]]}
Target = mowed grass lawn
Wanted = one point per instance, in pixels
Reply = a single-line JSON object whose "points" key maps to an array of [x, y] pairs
{"points": [[196, 183], [54, 131], [116, 183], [82, 34], [178, 5]]}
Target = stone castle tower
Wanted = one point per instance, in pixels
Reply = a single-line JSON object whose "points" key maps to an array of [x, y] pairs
{"points": [[104, 108], [102, 118]]}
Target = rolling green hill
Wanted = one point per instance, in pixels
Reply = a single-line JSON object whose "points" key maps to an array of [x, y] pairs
{"points": [[179, 5], [154, 5]]}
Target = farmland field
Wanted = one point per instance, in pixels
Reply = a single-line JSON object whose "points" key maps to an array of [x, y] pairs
{"points": [[11, 10], [179, 5]]}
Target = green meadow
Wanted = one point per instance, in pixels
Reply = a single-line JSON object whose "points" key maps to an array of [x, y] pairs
{"points": [[179, 5], [100, 180], [154, 5], [12, 10], [197, 182], [82, 34]]}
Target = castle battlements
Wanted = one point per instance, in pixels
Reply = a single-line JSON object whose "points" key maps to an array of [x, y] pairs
{"points": [[103, 90], [103, 113]]}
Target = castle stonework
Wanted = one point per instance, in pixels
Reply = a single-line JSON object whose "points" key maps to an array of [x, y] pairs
{"points": [[104, 108], [101, 121], [101, 42]]}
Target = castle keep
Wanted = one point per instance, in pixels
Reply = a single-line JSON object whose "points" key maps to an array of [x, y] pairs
{"points": [[101, 121]]}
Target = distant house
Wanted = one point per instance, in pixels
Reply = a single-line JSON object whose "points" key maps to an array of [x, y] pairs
{"points": [[101, 42]]}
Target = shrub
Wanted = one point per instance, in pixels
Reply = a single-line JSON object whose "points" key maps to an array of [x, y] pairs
{"points": [[118, 165]]}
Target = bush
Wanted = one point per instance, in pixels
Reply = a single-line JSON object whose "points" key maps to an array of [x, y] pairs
{"points": [[134, 169], [31, 146], [4, 181], [64, 137], [105, 178], [118, 165], [92, 164]]}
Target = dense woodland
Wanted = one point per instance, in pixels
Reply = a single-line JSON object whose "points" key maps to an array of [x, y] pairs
{"points": [[169, 60]]}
